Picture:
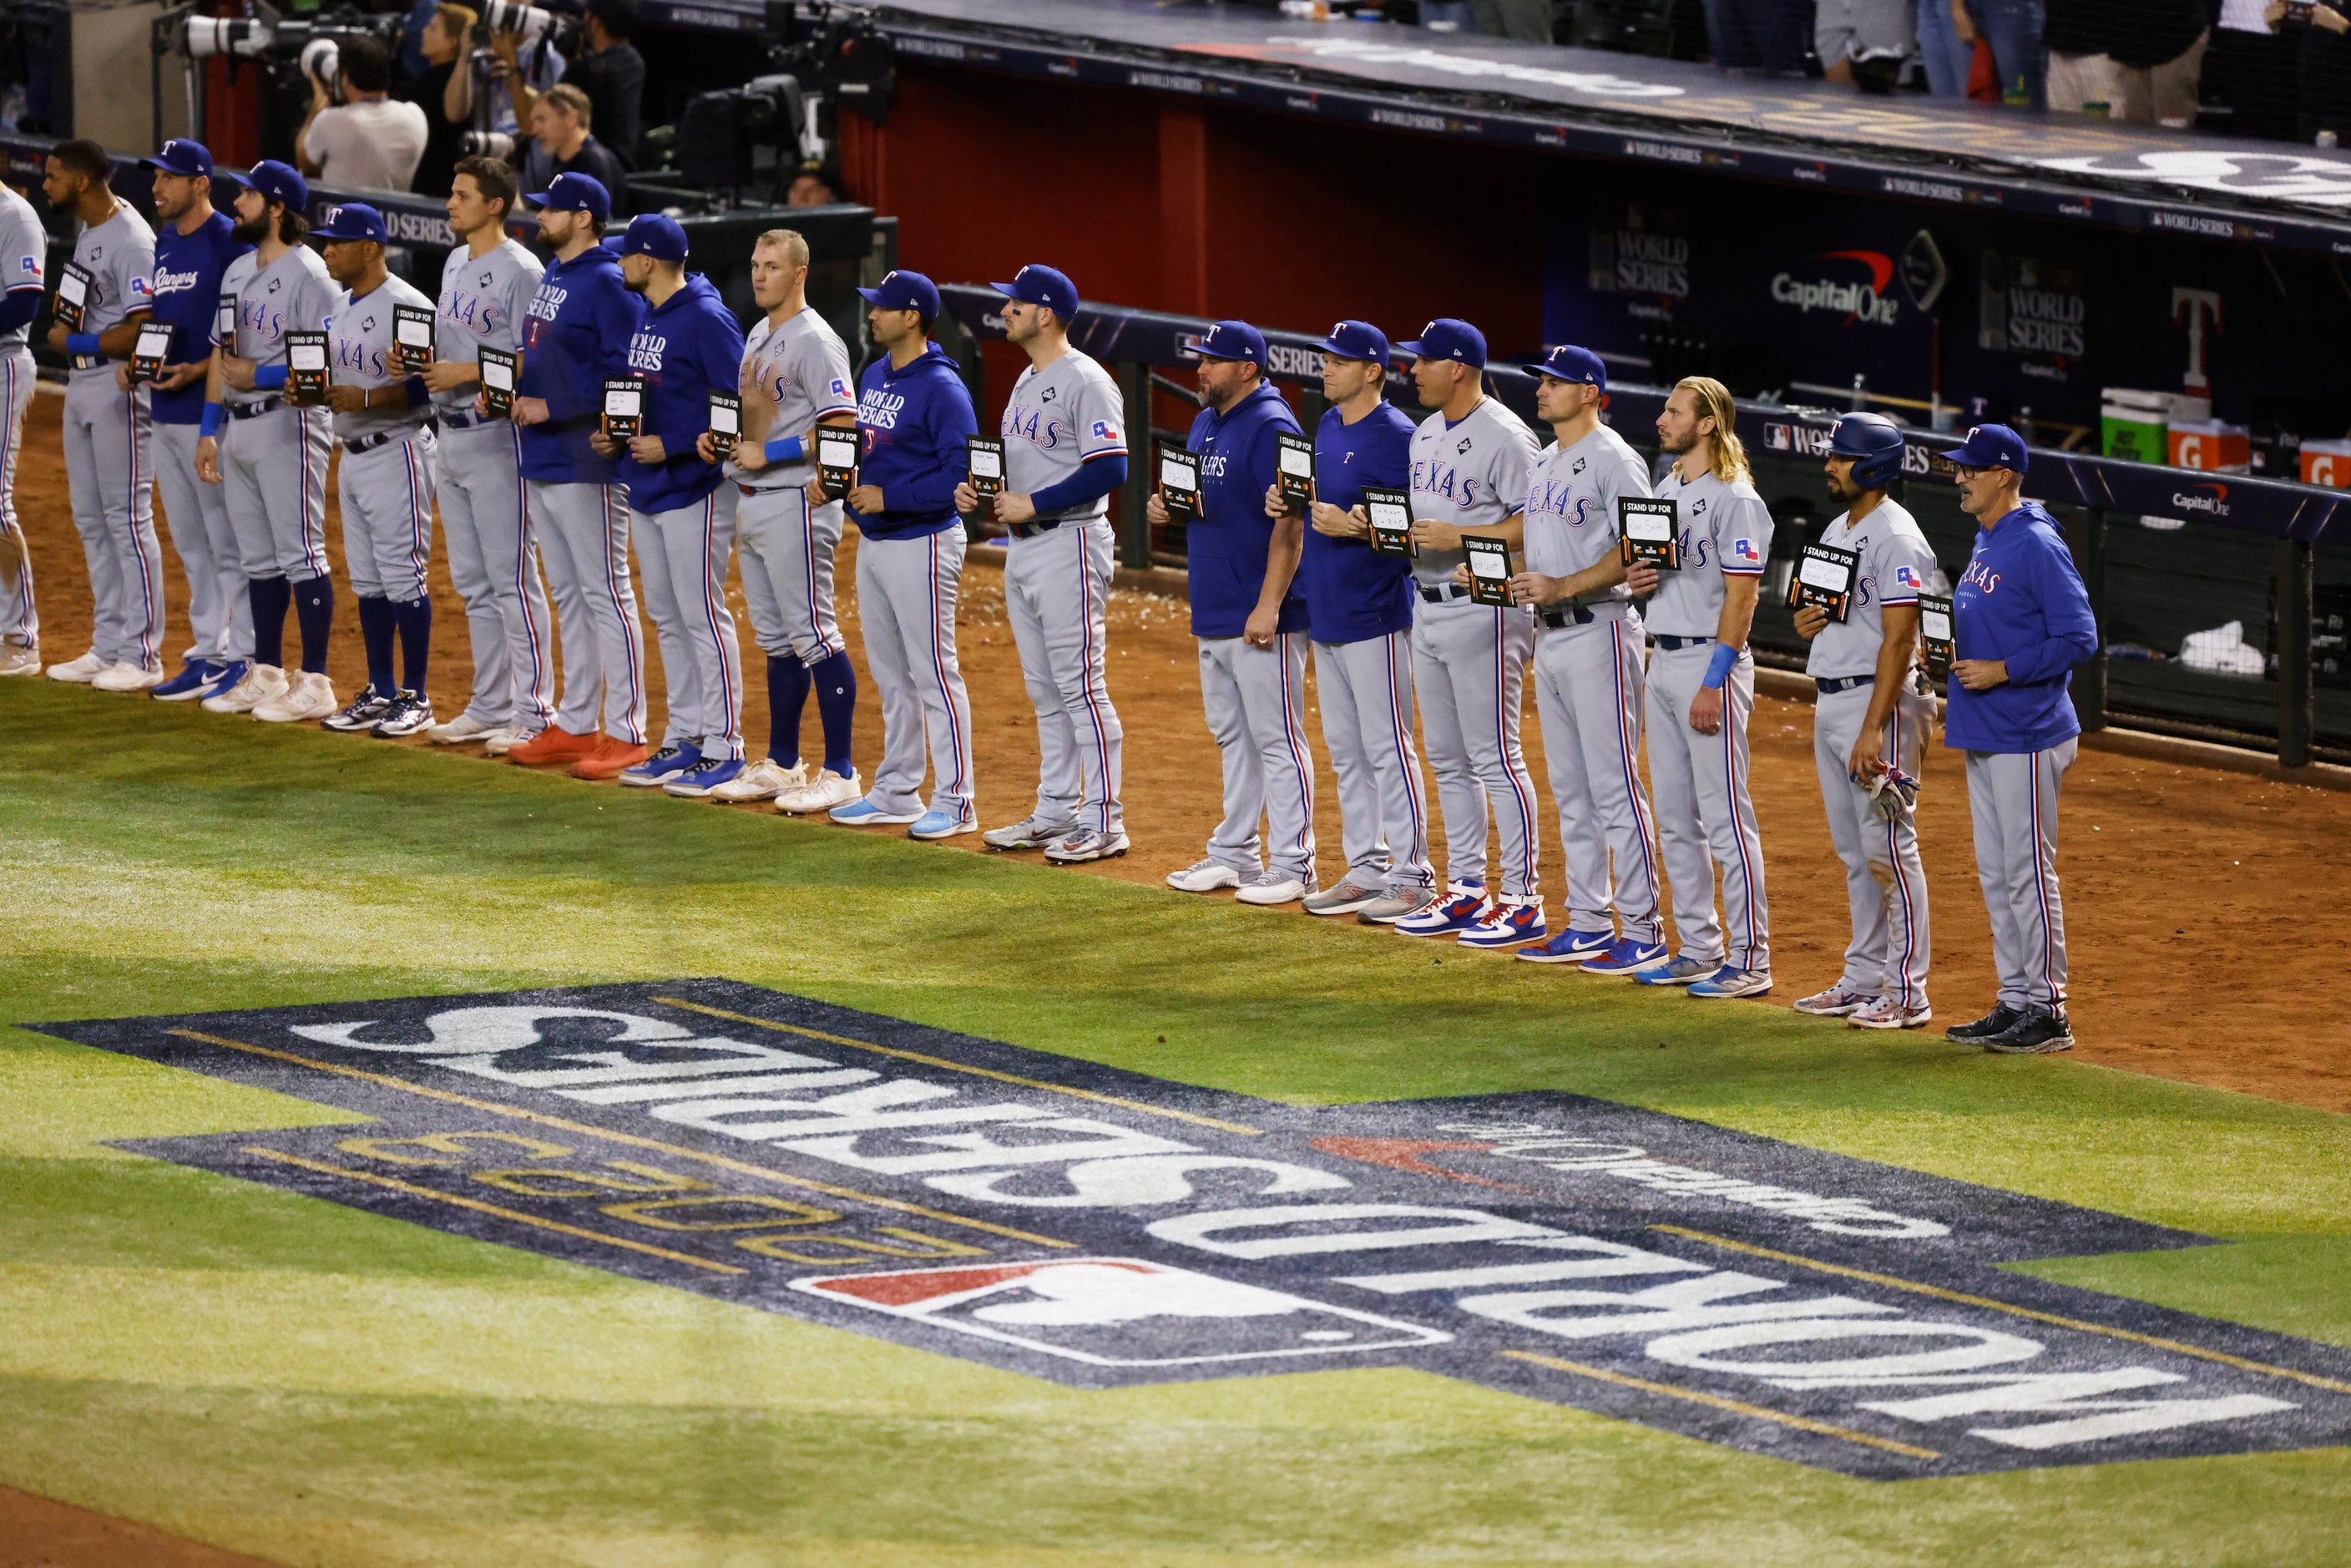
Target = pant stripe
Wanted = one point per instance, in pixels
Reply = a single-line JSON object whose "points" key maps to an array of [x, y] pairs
{"points": [[151, 635], [314, 510], [713, 574], [420, 514], [1398, 670], [1643, 822], [27, 627], [824, 650], [942, 625], [539, 710], [1086, 674], [1293, 737], [1502, 716], [2042, 871], [1734, 735], [616, 565]]}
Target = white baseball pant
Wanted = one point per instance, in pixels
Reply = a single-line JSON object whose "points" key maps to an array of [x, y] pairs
{"points": [[1469, 668], [582, 532], [494, 566], [109, 477], [20, 621], [787, 549], [1698, 783], [2012, 796], [906, 605], [220, 611], [683, 555], [1255, 699], [274, 479], [1588, 693], [1057, 595], [387, 505], [1883, 881], [1367, 692]]}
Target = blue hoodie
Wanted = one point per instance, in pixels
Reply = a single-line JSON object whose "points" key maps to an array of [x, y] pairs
{"points": [[576, 338], [2019, 600], [687, 346], [913, 423], [1225, 548], [187, 282]]}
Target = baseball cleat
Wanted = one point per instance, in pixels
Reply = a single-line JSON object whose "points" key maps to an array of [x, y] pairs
{"points": [[1084, 844], [2037, 1033], [20, 659], [1509, 924], [504, 742], [1675, 972], [410, 713], [193, 677], [698, 781], [763, 781], [127, 677], [258, 684], [461, 730], [2000, 1020], [1625, 956], [1888, 1013], [941, 825], [822, 793], [661, 767], [1350, 897], [864, 813], [553, 744], [612, 758], [1570, 946], [1273, 887], [1029, 833], [1396, 903], [79, 671], [1732, 981], [1838, 1001], [309, 694], [1205, 876], [365, 709], [1461, 906]]}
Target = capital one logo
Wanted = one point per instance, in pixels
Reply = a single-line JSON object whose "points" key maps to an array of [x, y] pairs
{"points": [[1863, 299]]}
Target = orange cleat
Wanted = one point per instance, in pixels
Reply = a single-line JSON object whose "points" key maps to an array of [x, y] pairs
{"points": [[553, 745], [609, 760]]}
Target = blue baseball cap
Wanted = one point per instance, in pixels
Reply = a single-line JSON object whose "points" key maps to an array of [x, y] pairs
{"points": [[576, 193], [656, 234], [1991, 446], [1233, 341], [280, 182], [905, 291], [353, 220], [1035, 285], [1357, 340], [182, 156], [1448, 338], [1569, 363]]}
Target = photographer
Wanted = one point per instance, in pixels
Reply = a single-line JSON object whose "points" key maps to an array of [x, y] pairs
{"points": [[560, 145], [367, 143], [435, 90], [496, 90], [612, 74]]}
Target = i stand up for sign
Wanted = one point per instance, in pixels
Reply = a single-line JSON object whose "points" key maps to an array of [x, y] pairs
{"points": [[1390, 515], [1489, 569], [1824, 576]]}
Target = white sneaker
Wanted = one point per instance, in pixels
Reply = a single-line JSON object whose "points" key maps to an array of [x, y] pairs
{"points": [[126, 677], [81, 671], [1204, 876], [308, 695], [1270, 887], [763, 781], [263, 683], [1030, 832], [461, 730], [499, 742], [828, 790], [20, 659], [1886, 1012]]}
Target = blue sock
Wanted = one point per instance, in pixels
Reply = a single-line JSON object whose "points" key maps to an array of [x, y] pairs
{"points": [[414, 620], [836, 706], [788, 691], [314, 610], [270, 598], [375, 635]]}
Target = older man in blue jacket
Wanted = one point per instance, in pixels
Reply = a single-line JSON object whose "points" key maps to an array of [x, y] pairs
{"points": [[2021, 624]]}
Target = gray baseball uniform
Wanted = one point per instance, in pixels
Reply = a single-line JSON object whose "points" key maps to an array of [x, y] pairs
{"points": [[1698, 782], [108, 468], [682, 555], [1057, 586], [273, 456], [794, 373], [1883, 881], [493, 562], [385, 479], [1366, 690], [906, 605], [1469, 661], [23, 257], [1588, 687]]}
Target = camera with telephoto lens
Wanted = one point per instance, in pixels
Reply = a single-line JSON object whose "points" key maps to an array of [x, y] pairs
{"points": [[822, 60], [535, 23], [497, 144], [313, 45]]}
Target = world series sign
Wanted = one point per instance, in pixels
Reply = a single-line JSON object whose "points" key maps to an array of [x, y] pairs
{"points": [[1102, 1229]]}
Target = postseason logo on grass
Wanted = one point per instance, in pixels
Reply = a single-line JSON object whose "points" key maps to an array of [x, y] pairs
{"points": [[1103, 1229]]}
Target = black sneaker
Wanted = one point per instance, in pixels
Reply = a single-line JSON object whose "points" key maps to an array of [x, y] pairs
{"points": [[409, 711], [364, 711], [2037, 1033], [2000, 1020]]}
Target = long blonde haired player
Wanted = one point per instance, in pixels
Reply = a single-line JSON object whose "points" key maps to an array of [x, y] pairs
{"points": [[1701, 694]]}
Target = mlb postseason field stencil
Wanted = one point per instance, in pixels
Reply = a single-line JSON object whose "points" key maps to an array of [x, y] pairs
{"points": [[1100, 1227]]}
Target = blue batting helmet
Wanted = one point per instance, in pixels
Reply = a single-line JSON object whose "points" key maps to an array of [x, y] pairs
{"points": [[1875, 443]]}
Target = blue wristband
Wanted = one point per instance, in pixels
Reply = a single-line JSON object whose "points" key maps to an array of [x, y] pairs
{"points": [[215, 416], [266, 377], [1718, 668], [786, 449], [82, 345]]}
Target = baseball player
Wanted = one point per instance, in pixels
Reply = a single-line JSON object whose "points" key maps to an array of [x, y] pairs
{"points": [[1359, 618], [913, 415], [1701, 693], [794, 376], [385, 479], [107, 440], [1587, 670], [681, 509], [2021, 622], [1470, 460], [486, 286], [24, 260], [192, 251], [1869, 731], [1065, 451], [1241, 562], [269, 455], [576, 339]]}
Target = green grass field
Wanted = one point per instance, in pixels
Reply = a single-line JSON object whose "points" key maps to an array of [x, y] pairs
{"points": [[317, 1385]]}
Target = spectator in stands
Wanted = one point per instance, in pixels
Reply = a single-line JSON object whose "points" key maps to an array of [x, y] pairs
{"points": [[2323, 71], [511, 79], [2080, 74], [1947, 32], [560, 145], [816, 185], [612, 74], [434, 90], [413, 60], [367, 143], [2159, 60], [1760, 37], [1863, 42]]}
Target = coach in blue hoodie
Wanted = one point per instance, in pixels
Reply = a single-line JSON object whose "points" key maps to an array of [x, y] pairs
{"points": [[681, 509], [2022, 623], [1251, 622]]}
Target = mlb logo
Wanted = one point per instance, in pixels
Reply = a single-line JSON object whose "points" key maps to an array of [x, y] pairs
{"points": [[1120, 1312], [1904, 577], [1105, 431], [1744, 552]]}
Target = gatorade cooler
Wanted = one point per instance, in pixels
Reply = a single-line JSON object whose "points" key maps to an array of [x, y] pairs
{"points": [[2211, 446], [2326, 462]]}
